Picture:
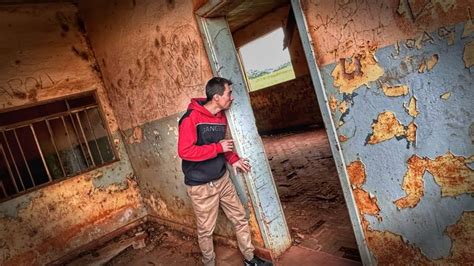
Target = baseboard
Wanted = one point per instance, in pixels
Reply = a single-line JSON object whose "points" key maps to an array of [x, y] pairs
{"points": [[259, 251], [98, 242]]}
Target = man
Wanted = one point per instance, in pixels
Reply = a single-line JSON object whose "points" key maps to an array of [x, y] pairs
{"points": [[205, 151]]}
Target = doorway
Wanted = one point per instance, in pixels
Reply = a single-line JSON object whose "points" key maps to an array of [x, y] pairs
{"points": [[290, 124]]}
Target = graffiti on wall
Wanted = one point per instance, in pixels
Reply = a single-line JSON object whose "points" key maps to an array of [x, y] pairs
{"points": [[172, 66]]}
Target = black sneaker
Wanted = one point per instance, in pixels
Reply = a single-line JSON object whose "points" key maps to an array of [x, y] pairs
{"points": [[257, 261]]}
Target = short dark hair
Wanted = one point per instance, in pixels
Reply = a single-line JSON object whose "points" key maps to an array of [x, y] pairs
{"points": [[216, 85]]}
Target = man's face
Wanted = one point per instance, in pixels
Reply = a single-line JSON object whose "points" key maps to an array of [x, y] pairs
{"points": [[225, 100]]}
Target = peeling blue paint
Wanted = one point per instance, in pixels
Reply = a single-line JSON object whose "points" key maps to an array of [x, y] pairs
{"points": [[443, 126]]}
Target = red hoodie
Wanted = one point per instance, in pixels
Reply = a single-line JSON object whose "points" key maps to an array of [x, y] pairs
{"points": [[198, 144]]}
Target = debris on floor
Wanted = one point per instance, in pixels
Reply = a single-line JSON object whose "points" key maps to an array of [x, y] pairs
{"points": [[310, 192]]}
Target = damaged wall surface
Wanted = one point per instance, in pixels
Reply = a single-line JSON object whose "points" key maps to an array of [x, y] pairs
{"points": [[45, 55], [151, 76], [398, 77]]}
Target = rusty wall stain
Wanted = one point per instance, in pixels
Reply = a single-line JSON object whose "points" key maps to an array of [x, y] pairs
{"points": [[450, 172], [359, 70], [411, 107], [468, 56], [395, 91], [387, 247], [387, 127], [356, 172], [74, 218], [461, 233], [332, 103], [428, 64]]}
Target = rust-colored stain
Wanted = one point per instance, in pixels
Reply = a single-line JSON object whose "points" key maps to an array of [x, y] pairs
{"points": [[387, 126], [411, 132], [462, 235], [389, 248], [445, 95], [332, 103], [343, 107], [137, 136], [356, 172], [365, 203], [70, 214], [468, 56], [450, 172], [413, 183], [428, 64], [468, 28], [386, 246], [343, 138], [411, 107], [359, 70], [395, 91]]}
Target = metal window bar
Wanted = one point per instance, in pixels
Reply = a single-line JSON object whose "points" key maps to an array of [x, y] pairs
{"points": [[85, 139], [94, 136], [13, 160], [9, 171], [70, 141], [24, 158], [47, 119], [40, 152], [51, 135], [77, 134]]}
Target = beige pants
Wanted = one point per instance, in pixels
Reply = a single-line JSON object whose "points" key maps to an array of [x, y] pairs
{"points": [[206, 200]]}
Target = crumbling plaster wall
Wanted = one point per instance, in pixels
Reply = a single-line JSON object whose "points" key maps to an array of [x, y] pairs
{"points": [[44, 55], [398, 79], [153, 61], [286, 105]]}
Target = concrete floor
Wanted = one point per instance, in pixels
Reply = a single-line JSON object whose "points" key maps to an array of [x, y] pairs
{"points": [[312, 200]]}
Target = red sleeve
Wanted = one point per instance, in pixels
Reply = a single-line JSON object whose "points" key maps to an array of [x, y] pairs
{"points": [[231, 157], [187, 148]]}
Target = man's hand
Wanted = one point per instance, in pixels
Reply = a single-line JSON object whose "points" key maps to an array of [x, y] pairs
{"points": [[243, 165], [227, 145]]}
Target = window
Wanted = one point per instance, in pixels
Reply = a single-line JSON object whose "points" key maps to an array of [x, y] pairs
{"points": [[265, 62], [51, 141]]}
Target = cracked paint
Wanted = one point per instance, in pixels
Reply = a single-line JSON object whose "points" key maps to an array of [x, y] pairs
{"points": [[395, 91], [362, 68], [332, 103], [451, 173], [445, 96], [411, 107], [428, 64], [468, 28], [387, 127], [461, 233], [387, 247], [356, 172], [468, 55]]}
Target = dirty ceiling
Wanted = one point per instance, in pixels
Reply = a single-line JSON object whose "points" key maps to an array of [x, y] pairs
{"points": [[248, 11]]}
